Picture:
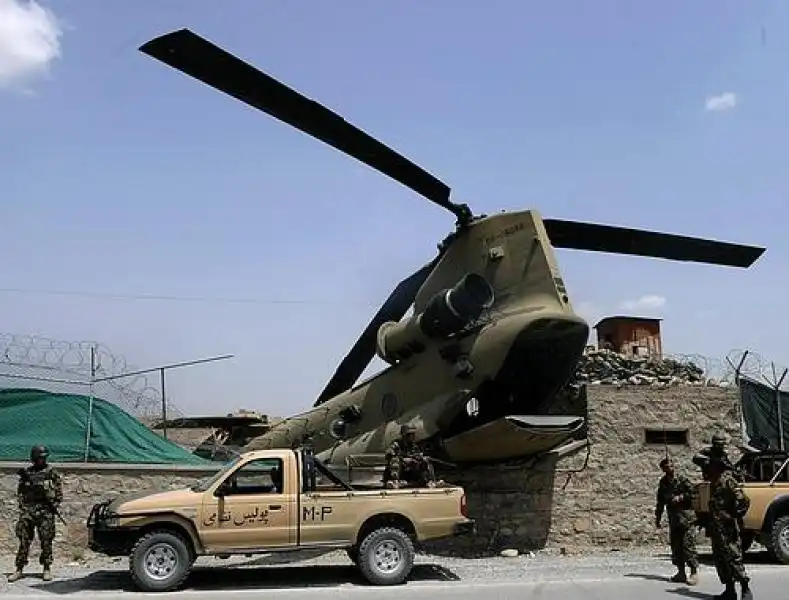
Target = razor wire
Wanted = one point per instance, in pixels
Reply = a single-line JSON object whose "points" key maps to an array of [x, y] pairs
{"points": [[29, 361]]}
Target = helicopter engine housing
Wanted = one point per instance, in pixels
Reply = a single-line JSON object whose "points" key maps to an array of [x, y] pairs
{"points": [[445, 314]]}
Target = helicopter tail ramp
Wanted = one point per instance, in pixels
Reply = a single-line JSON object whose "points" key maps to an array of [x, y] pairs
{"points": [[515, 435], [30, 416]]}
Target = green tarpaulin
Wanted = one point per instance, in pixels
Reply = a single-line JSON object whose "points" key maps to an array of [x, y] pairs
{"points": [[760, 410], [60, 421]]}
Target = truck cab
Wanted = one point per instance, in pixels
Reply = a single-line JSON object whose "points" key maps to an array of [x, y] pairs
{"points": [[766, 483], [269, 501]]}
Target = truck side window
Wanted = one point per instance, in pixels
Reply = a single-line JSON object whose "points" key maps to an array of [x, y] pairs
{"points": [[262, 476]]}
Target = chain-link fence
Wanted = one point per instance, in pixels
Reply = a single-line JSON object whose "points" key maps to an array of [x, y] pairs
{"points": [[86, 374]]}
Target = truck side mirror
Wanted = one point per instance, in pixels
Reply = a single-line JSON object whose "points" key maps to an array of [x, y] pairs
{"points": [[223, 489]]}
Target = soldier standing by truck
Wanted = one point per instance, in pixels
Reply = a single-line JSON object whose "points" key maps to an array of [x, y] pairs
{"points": [[675, 493], [728, 505], [39, 494]]}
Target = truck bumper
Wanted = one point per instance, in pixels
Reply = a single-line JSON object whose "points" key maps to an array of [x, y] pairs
{"points": [[110, 541], [467, 527]]}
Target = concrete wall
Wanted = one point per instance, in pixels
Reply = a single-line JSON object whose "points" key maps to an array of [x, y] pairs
{"points": [[601, 497]]}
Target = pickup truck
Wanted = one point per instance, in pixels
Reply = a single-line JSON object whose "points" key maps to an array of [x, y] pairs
{"points": [[273, 501], [766, 484]]}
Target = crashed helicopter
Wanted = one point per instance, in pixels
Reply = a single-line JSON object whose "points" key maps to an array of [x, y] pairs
{"points": [[492, 336]]}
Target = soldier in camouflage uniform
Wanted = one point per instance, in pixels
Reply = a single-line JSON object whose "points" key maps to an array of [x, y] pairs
{"points": [[675, 493], [405, 462], [39, 494], [728, 504]]}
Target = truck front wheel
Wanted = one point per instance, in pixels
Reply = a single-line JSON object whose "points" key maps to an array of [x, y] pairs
{"points": [[160, 561], [779, 539], [386, 556]]}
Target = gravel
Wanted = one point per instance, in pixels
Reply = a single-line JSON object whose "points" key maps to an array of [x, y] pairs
{"points": [[335, 569]]}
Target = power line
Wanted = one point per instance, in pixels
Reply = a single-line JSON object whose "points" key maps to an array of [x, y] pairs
{"points": [[171, 298]]}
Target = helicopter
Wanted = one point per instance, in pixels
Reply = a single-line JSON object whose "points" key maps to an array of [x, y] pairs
{"points": [[492, 336]]}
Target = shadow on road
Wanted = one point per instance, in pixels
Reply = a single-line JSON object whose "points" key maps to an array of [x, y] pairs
{"points": [[229, 578], [649, 577], [750, 558]]}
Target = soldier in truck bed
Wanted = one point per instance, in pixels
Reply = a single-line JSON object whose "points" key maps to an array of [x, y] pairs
{"points": [[405, 462]]}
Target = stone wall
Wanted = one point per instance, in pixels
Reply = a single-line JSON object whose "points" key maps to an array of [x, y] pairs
{"points": [[82, 487], [600, 495], [603, 494]]}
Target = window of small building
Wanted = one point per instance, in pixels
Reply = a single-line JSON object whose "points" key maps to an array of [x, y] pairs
{"points": [[666, 437]]}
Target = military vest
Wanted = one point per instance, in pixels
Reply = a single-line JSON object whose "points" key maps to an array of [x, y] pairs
{"points": [[37, 486]]}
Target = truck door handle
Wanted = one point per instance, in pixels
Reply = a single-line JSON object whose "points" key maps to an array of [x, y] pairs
{"points": [[274, 506]]}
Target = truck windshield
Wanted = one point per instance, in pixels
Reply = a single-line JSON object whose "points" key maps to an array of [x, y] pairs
{"points": [[204, 484]]}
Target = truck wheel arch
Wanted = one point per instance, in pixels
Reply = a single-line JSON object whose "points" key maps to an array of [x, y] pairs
{"points": [[381, 520], [778, 508], [177, 524]]}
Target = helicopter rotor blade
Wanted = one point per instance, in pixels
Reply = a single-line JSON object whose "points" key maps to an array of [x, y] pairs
{"points": [[594, 237], [362, 352], [195, 56]]}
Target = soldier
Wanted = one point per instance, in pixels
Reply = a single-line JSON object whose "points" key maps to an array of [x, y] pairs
{"points": [[39, 494], [405, 462], [675, 493], [728, 505]]}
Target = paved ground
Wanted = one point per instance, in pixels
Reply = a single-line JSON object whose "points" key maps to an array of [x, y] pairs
{"points": [[627, 574]]}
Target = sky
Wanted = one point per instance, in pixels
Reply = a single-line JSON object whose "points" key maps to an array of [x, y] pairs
{"points": [[169, 222]]}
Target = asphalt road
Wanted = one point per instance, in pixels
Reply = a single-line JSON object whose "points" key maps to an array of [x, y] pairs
{"points": [[638, 575], [770, 586]]}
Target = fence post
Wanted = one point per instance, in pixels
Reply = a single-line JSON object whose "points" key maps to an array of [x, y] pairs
{"points": [[164, 403], [90, 401], [778, 408]]}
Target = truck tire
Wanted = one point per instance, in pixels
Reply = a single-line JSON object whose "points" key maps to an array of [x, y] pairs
{"points": [[160, 561], [779, 540], [386, 556]]}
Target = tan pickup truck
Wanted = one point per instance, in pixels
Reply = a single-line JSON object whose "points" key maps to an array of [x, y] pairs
{"points": [[766, 484], [268, 501]]}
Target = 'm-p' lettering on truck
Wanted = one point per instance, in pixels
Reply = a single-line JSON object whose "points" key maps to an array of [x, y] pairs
{"points": [[268, 501]]}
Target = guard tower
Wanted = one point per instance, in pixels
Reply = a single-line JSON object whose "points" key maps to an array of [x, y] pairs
{"points": [[631, 336]]}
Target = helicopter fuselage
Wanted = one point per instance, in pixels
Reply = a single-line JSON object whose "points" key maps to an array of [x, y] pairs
{"points": [[511, 360]]}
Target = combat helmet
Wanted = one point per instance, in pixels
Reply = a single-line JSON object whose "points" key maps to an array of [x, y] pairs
{"points": [[407, 428], [37, 452]]}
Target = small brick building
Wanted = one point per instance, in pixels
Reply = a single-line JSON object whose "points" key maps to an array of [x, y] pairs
{"points": [[631, 336]]}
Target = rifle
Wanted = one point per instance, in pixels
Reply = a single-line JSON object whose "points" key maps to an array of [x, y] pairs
{"points": [[23, 474]]}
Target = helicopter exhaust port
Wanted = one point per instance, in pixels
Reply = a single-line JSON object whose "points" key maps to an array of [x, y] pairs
{"points": [[445, 314]]}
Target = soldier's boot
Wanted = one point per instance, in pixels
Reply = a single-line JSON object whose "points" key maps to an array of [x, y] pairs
{"points": [[47, 574], [15, 576], [679, 576], [728, 594], [693, 578], [746, 590]]}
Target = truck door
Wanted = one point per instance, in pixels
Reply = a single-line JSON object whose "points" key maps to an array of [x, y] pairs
{"points": [[249, 509]]}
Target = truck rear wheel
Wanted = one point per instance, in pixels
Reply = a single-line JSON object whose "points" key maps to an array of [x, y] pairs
{"points": [[779, 540], [160, 561], [386, 556]]}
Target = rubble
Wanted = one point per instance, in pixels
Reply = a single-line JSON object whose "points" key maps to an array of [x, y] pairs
{"points": [[607, 367]]}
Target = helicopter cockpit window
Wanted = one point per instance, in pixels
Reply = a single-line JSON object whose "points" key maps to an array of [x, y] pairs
{"points": [[338, 429]]}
